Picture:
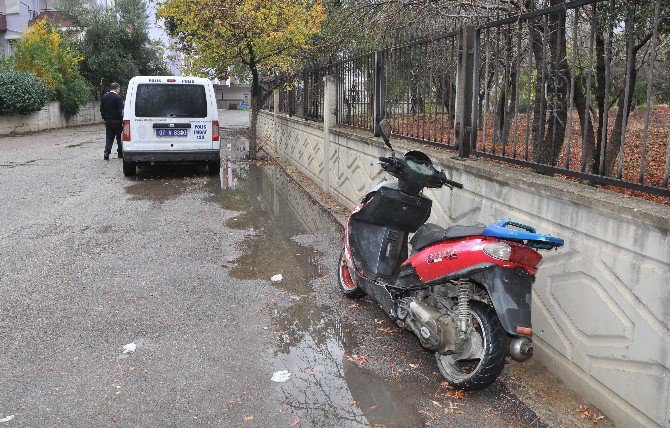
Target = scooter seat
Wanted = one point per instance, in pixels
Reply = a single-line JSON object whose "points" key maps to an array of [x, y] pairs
{"points": [[431, 233]]}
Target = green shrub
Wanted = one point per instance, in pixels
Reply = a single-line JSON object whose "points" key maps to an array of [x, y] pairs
{"points": [[21, 92], [72, 95]]}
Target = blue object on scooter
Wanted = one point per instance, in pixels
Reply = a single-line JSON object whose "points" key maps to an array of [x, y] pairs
{"points": [[521, 232]]}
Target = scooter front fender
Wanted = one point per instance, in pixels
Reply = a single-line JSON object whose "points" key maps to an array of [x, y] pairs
{"points": [[510, 293]]}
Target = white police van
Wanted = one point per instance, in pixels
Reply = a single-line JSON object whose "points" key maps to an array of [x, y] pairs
{"points": [[170, 119]]}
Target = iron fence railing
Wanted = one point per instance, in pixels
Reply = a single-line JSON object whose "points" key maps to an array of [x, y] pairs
{"points": [[303, 97], [419, 88], [355, 91], [287, 101], [268, 103], [578, 88], [314, 87], [573, 89]]}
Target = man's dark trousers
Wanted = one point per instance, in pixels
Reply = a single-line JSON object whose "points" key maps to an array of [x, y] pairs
{"points": [[111, 110], [113, 130]]}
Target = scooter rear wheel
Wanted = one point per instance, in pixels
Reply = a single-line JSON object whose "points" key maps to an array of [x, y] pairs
{"points": [[482, 370], [346, 283]]}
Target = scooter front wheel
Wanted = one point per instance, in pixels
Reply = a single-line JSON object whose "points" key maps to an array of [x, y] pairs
{"points": [[346, 283], [478, 369]]}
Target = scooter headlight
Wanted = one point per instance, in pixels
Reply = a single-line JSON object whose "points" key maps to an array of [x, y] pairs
{"points": [[498, 250]]}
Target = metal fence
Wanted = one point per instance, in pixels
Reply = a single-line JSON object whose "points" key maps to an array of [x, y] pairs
{"points": [[419, 88], [355, 91], [572, 89], [268, 104], [303, 97], [580, 88]]}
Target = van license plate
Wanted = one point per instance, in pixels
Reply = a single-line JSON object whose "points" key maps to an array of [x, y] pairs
{"points": [[170, 132]]}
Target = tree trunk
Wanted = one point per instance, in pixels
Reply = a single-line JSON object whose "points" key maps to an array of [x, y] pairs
{"points": [[586, 123], [255, 105], [499, 116], [540, 103], [511, 108], [613, 148], [601, 68], [558, 87]]}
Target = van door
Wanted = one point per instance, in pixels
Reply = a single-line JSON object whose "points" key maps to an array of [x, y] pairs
{"points": [[171, 117]]}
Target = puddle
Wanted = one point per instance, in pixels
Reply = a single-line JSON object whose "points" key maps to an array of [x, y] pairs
{"points": [[327, 387], [162, 183], [274, 218]]}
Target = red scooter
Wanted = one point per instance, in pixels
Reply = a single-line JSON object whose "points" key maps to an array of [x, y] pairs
{"points": [[465, 291]]}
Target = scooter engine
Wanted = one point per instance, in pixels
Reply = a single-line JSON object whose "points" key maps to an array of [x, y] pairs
{"points": [[436, 331]]}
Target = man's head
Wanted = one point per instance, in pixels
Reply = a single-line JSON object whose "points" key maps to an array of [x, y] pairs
{"points": [[115, 87]]}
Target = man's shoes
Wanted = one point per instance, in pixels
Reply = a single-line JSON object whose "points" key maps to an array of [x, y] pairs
{"points": [[120, 155], [106, 157]]}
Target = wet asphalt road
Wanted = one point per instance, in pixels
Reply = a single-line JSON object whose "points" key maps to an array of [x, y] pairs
{"points": [[179, 263]]}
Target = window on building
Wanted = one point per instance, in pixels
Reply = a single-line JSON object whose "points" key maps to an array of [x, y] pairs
{"points": [[11, 47]]}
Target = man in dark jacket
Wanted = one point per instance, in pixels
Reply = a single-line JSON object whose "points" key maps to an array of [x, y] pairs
{"points": [[111, 109]]}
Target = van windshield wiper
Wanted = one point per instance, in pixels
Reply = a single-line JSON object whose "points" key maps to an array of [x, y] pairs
{"points": [[179, 115]]}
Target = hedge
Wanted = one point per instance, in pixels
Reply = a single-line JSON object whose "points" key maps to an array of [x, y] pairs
{"points": [[72, 95], [21, 92]]}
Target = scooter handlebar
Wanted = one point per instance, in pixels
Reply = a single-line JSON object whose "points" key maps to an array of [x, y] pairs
{"points": [[390, 164], [393, 165], [450, 183]]}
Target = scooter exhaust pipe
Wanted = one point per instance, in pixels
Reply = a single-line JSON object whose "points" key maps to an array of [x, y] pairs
{"points": [[521, 349]]}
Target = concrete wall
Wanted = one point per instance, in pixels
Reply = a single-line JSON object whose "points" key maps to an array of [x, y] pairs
{"points": [[49, 117], [601, 304]]}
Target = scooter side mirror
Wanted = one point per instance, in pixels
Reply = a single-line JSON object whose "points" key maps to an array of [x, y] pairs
{"points": [[386, 131]]}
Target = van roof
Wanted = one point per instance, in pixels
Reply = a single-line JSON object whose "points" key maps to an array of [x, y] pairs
{"points": [[173, 79]]}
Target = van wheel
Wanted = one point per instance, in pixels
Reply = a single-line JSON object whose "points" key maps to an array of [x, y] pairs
{"points": [[214, 167], [129, 168]]}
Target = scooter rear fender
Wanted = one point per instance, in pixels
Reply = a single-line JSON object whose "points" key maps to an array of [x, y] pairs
{"points": [[510, 293]]}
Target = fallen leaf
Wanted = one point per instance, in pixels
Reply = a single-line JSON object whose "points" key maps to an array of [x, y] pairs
{"points": [[456, 394], [453, 408], [249, 418], [295, 422], [589, 414], [358, 359], [436, 404]]}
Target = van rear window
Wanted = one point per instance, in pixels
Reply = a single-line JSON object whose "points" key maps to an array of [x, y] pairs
{"points": [[170, 100]]}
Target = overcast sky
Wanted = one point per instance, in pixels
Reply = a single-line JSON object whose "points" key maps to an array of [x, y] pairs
{"points": [[157, 32]]}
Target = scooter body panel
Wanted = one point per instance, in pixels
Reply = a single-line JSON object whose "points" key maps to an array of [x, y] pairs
{"points": [[444, 258]]}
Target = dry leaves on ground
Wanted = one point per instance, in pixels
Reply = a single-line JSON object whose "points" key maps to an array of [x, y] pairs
{"points": [[358, 359], [590, 415]]}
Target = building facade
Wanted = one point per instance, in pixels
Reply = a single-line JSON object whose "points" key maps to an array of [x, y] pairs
{"points": [[15, 15]]}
